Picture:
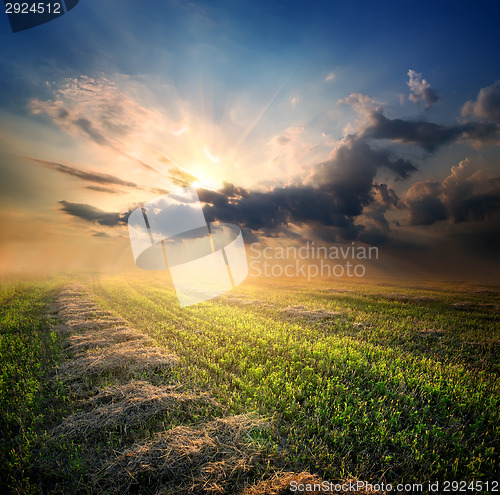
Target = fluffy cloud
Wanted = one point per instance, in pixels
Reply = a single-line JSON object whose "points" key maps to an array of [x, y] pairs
{"points": [[487, 105], [363, 104], [470, 193], [424, 202], [481, 118], [421, 90]]}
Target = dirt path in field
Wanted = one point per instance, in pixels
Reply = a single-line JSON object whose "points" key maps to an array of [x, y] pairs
{"points": [[137, 429]]}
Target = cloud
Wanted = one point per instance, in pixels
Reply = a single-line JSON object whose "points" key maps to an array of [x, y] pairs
{"points": [[96, 177], [290, 135], [481, 118], [376, 125], [386, 196], [329, 199], [99, 111], [425, 205], [427, 135], [96, 109], [87, 127], [363, 104], [421, 90], [467, 194], [103, 189], [178, 176], [470, 193], [487, 105], [92, 214]]}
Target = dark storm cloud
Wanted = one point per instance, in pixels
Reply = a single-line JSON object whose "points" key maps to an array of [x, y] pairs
{"points": [[349, 175], [480, 133], [376, 125], [222, 197], [96, 177], [329, 202], [232, 191], [92, 214], [466, 195], [423, 201], [480, 123], [427, 135], [386, 196], [275, 210]]}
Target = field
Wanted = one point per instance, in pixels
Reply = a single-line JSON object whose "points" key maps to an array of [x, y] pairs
{"points": [[108, 386]]}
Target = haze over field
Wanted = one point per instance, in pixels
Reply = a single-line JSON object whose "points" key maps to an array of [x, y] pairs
{"points": [[334, 124]]}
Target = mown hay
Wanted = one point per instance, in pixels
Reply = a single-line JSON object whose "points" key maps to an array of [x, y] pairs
{"points": [[213, 458], [125, 358], [82, 324], [126, 407], [281, 484], [103, 338], [84, 313]]}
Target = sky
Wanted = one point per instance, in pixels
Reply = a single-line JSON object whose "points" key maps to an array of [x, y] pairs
{"points": [[331, 122]]}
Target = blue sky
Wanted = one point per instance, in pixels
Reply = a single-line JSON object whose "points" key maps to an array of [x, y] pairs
{"points": [[259, 94]]}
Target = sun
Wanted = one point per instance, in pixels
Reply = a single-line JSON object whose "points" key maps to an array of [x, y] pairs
{"points": [[205, 180]]}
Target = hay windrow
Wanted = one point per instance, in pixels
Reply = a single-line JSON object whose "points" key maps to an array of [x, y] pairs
{"points": [[214, 457], [100, 343], [280, 484], [124, 358], [95, 324], [193, 460], [97, 339], [126, 407]]}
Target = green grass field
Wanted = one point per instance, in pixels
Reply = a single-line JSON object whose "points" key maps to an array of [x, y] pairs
{"points": [[376, 382]]}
